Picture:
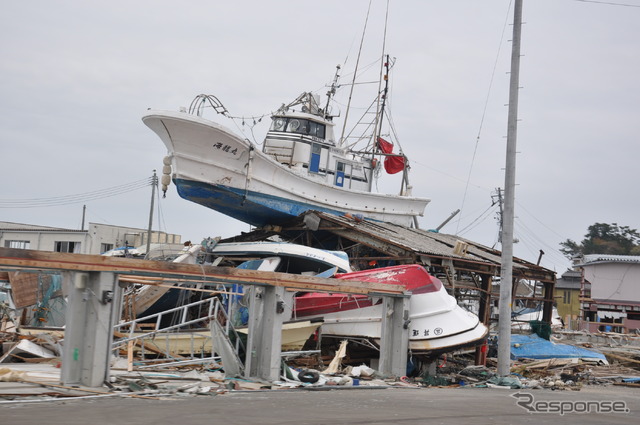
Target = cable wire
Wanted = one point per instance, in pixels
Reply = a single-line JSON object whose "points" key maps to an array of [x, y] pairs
{"points": [[484, 112], [608, 3], [77, 198]]}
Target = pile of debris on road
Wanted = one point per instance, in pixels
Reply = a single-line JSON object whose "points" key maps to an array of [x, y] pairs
{"points": [[39, 374]]}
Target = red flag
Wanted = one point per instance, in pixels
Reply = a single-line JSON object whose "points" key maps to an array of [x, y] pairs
{"points": [[394, 164], [385, 146]]}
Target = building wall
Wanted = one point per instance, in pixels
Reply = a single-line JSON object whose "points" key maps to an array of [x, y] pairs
{"points": [[568, 303], [119, 236], [45, 240], [614, 281], [98, 239]]}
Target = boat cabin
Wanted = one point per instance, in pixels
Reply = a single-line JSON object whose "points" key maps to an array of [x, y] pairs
{"points": [[306, 142]]}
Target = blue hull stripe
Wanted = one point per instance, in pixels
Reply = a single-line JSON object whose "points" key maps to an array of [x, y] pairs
{"points": [[257, 209]]}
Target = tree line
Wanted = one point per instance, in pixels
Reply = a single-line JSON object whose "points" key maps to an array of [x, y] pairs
{"points": [[603, 238]]}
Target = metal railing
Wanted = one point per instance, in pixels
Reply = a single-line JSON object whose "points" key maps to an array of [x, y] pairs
{"points": [[215, 311]]}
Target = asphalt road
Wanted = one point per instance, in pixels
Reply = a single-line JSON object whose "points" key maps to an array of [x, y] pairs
{"points": [[346, 406]]}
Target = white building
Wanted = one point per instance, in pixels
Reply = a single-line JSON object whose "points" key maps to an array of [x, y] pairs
{"points": [[98, 239], [614, 299]]}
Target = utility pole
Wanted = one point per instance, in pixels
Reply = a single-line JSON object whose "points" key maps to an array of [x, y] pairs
{"points": [[506, 269], [500, 212], [154, 184], [84, 213]]}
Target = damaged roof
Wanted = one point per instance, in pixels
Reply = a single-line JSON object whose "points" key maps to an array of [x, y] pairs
{"points": [[424, 246]]}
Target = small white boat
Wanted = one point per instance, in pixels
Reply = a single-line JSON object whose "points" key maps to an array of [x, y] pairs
{"points": [[295, 259], [273, 256], [301, 166], [437, 323]]}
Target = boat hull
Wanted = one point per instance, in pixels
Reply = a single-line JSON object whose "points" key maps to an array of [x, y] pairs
{"points": [[213, 167], [437, 323]]}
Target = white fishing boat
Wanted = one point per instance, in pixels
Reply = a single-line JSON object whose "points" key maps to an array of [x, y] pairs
{"points": [[301, 166]]}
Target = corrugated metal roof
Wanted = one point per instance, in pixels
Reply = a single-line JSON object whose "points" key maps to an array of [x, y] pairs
{"points": [[422, 241], [606, 258]]}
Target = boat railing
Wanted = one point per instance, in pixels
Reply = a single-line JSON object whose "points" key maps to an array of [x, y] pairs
{"points": [[214, 311]]}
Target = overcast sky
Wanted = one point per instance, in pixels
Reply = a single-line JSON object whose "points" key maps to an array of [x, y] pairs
{"points": [[76, 77]]}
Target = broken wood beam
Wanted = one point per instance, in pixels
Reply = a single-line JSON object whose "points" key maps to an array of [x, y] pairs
{"points": [[25, 258], [622, 358]]}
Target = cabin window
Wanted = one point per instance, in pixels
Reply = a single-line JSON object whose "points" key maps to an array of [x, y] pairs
{"points": [[314, 161], [340, 173], [17, 244], [278, 124], [64, 246], [299, 126], [316, 129]]}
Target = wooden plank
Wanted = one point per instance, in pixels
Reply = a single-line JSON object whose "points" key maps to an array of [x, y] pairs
{"points": [[627, 384], [227, 275], [622, 359], [24, 288]]}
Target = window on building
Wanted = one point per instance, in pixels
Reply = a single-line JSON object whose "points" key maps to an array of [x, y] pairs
{"points": [[64, 246], [566, 297], [17, 244], [104, 247]]}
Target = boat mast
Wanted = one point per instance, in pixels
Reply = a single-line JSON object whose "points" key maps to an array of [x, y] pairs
{"points": [[331, 92], [506, 272], [353, 82], [384, 99]]}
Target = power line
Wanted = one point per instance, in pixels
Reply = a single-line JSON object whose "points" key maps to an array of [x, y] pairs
{"points": [[77, 198], [484, 112], [609, 3], [482, 217]]}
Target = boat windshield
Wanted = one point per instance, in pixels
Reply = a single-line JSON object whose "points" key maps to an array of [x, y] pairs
{"points": [[298, 125]]}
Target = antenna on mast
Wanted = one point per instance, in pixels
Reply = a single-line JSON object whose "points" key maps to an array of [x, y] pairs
{"points": [[331, 92]]}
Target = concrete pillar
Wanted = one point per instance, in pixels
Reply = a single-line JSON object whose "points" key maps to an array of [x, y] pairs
{"points": [[255, 330], [394, 341], [264, 341], [92, 309]]}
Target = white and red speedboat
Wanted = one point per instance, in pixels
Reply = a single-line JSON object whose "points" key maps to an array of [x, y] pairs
{"points": [[437, 322]]}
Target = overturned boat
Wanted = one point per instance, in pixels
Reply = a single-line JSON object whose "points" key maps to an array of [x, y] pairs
{"points": [[436, 324], [301, 166]]}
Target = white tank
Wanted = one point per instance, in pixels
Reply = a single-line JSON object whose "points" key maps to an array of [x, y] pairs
{"points": [[301, 153]]}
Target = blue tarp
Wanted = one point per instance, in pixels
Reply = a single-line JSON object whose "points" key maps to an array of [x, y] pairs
{"points": [[534, 347]]}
